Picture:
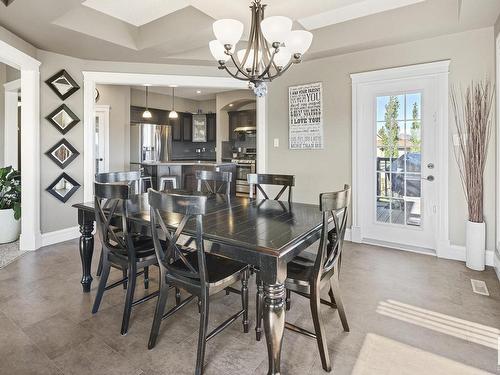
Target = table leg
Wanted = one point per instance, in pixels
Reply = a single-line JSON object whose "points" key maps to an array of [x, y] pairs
{"points": [[86, 222], [274, 323]]}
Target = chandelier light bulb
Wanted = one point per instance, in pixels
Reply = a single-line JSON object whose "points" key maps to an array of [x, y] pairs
{"points": [[282, 57], [299, 41], [228, 31], [218, 51], [249, 62], [275, 29]]}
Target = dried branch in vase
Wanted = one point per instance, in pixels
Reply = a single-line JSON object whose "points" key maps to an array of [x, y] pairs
{"points": [[472, 112]]}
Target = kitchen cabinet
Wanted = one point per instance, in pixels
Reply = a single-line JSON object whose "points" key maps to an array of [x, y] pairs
{"points": [[157, 116], [176, 125], [239, 119], [187, 126], [211, 127]]}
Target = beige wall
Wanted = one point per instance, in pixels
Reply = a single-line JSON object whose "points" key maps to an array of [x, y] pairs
{"points": [[118, 99], [471, 58]]}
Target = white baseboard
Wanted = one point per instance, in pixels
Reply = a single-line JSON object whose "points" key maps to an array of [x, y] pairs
{"points": [[457, 252], [62, 235]]}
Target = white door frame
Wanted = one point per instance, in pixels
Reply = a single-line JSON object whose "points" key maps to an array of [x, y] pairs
{"points": [[91, 79], [496, 254], [30, 140], [104, 109], [11, 118], [440, 71]]}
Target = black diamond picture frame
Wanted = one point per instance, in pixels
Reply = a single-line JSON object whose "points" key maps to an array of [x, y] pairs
{"points": [[62, 153], [63, 187], [63, 119], [7, 2], [62, 84]]}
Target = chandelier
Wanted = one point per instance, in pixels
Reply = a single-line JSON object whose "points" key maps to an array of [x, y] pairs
{"points": [[271, 50]]}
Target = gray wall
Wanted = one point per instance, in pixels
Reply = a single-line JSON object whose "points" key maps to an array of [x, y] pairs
{"points": [[118, 98], [471, 58]]}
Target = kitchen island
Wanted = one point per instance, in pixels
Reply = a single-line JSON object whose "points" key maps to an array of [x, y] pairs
{"points": [[185, 172]]}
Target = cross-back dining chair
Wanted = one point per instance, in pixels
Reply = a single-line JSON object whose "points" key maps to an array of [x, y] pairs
{"points": [[121, 248], [256, 181], [214, 182], [137, 184], [200, 274], [308, 274], [283, 180]]}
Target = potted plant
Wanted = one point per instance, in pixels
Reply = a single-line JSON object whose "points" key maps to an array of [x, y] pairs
{"points": [[472, 110], [10, 204]]}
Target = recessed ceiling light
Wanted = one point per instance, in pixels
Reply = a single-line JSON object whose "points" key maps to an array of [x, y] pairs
{"points": [[231, 104], [198, 91], [173, 86]]}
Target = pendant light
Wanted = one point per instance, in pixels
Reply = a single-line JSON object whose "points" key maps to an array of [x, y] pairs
{"points": [[147, 113], [272, 47], [172, 113]]}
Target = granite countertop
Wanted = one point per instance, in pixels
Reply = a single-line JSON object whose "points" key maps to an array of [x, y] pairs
{"points": [[188, 162]]}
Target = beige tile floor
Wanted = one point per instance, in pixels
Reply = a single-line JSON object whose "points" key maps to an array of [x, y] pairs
{"points": [[409, 314]]}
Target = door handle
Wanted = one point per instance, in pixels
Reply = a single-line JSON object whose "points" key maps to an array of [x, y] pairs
{"points": [[428, 178]]}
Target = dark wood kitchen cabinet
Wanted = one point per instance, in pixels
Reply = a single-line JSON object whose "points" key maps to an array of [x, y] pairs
{"points": [[211, 127], [187, 126], [176, 125], [157, 116], [239, 119]]}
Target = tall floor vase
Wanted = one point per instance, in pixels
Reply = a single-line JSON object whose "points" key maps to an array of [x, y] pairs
{"points": [[475, 245]]}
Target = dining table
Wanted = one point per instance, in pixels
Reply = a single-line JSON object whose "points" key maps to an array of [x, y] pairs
{"points": [[266, 234]]}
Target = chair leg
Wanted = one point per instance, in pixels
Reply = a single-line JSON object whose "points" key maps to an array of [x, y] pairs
{"points": [[99, 266], [106, 267], [244, 300], [259, 303], [335, 288], [315, 304], [177, 296], [124, 271], [146, 277], [332, 298], [127, 310], [160, 309], [288, 300], [202, 336]]}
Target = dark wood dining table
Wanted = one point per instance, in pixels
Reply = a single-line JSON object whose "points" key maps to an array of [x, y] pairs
{"points": [[263, 233]]}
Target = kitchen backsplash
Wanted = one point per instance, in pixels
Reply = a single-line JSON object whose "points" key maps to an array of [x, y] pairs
{"points": [[188, 150]]}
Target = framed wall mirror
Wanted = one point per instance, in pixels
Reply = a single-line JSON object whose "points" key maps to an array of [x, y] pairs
{"points": [[63, 187], [62, 153], [62, 84], [63, 119]]}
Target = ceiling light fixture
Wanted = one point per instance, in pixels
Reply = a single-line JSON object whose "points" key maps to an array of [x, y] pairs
{"points": [[271, 49], [198, 91], [147, 113], [172, 114]]}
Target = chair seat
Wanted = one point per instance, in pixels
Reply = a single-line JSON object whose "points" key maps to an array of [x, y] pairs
{"points": [[143, 245], [220, 270], [301, 268]]}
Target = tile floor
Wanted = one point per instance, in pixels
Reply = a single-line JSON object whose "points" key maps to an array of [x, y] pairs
{"points": [[409, 314]]}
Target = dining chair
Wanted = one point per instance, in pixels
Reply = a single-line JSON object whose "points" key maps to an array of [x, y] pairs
{"points": [[121, 249], [256, 181], [138, 184], [308, 274], [214, 182], [200, 274]]}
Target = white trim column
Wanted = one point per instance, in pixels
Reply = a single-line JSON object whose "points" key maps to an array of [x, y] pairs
{"points": [[11, 123], [261, 135], [30, 159]]}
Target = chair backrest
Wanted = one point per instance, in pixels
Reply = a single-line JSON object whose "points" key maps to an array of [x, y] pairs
{"points": [[110, 199], [186, 207], [214, 182], [133, 178], [334, 205], [283, 180]]}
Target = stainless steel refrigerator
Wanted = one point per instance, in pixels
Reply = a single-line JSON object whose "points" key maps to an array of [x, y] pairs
{"points": [[149, 143]]}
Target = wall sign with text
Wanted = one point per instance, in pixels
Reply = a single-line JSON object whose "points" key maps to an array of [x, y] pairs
{"points": [[305, 110]]}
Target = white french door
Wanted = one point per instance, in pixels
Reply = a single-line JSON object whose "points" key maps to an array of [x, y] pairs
{"points": [[397, 163], [101, 139]]}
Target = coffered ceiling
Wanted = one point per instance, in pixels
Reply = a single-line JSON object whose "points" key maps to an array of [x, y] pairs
{"points": [[178, 31]]}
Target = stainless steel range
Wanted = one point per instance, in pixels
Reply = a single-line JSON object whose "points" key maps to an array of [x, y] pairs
{"points": [[245, 164]]}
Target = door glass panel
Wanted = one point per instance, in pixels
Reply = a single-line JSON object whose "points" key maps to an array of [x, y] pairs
{"points": [[398, 158]]}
